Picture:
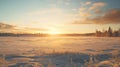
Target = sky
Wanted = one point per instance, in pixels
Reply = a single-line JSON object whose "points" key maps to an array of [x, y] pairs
{"points": [[58, 16]]}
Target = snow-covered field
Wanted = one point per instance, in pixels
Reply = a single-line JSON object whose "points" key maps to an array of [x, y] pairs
{"points": [[59, 51]]}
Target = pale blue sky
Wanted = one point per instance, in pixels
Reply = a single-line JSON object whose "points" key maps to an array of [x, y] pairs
{"points": [[57, 15]]}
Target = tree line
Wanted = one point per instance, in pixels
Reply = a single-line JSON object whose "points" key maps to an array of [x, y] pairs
{"points": [[108, 33]]}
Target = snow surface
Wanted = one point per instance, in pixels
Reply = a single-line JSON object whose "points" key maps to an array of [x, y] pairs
{"points": [[59, 52]]}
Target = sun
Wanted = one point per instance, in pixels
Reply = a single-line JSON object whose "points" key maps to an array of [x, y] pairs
{"points": [[54, 31]]}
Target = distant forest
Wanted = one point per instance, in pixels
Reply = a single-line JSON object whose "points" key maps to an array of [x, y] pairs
{"points": [[98, 33], [108, 33], [43, 34]]}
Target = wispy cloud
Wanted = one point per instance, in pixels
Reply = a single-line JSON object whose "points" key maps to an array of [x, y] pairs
{"points": [[83, 13], [88, 3], [98, 11], [97, 5]]}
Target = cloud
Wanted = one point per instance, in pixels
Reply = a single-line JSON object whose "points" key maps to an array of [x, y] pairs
{"points": [[88, 3], [110, 17], [98, 11], [6, 26], [83, 12], [97, 5], [113, 16], [82, 9]]}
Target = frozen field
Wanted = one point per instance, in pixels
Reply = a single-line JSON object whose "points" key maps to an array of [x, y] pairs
{"points": [[59, 51]]}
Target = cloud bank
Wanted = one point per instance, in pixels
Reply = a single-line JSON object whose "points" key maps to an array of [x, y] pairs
{"points": [[110, 17], [7, 28]]}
